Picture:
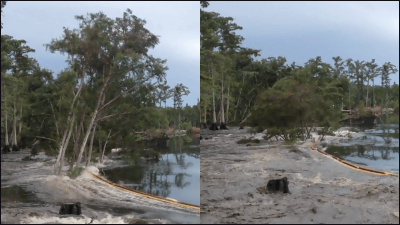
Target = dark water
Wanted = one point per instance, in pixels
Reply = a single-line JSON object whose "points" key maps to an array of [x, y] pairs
{"points": [[16, 194], [378, 147], [176, 175]]}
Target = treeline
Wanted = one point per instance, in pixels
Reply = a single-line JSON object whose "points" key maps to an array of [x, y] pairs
{"points": [[111, 89], [237, 89]]}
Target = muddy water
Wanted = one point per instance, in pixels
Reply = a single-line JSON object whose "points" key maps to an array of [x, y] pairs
{"points": [[176, 175], [32, 194], [377, 147], [322, 190]]}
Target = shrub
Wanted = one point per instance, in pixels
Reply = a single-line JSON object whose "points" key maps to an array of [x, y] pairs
{"points": [[290, 142], [353, 129], [34, 151], [72, 173], [131, 157], [186, 125], [254, 130]]}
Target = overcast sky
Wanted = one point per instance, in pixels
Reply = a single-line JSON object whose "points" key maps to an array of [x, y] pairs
{"points": [[177, 24], [299, 31]]}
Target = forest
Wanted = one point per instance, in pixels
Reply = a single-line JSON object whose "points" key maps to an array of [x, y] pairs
{"points": [[111, 91], [290, 99]]}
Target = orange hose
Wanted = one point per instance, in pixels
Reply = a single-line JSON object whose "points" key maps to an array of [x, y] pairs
{"points": [[146, 195], [355, 167]]}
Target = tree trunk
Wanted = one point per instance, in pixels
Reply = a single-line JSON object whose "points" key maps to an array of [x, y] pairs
{"points": [[205, 115], [91, 145], [227, 107], [373, 90], [78, 136], [200, 114], [65, 145], [214, 115], [100, 147], [179, 128], [14, 129], [60, 150], [366, 100], [223, 126], [89, 129], [6, 119], [70, 120], [104, 148], [20, 124]]}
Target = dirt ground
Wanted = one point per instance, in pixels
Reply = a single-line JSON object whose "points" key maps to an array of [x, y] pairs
{"points": [[322, 190]]}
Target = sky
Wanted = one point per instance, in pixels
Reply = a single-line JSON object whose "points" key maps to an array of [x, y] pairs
{"points": [[177, 24], [300, 31]]}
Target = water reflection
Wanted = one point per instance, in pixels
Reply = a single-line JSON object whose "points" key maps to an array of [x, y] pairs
{"points": [[176, 175], [15, 193], [377, 148]]}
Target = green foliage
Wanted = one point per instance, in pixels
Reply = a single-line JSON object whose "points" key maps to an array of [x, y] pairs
{"points": [[393, 104], [186, 139], [254, 130], [131, 157], [50, 150], [272, 132], [392, 119], [34, 151], [72, 173], [353, 129], [186, 125], [290, 142]]}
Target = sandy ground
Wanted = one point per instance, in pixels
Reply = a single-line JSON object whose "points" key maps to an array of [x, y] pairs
{"points": [[322, 190]]}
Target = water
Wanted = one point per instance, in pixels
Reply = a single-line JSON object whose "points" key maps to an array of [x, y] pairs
{"points": [[176, 175], [376, 147]]}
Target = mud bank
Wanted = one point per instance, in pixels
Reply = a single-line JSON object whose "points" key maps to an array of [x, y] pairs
{"points": [[322, 190]]}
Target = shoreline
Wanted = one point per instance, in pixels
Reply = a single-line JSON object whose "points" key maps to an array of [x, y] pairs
{"points": [[322, 190]]}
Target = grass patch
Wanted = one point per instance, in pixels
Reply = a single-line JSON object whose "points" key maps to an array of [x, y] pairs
{"points": [[290, 142], [72, 173], [254, 130], [353, 129]]}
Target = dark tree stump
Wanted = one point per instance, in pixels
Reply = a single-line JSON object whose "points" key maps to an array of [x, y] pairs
{"points": [[201, 138], [6, 149], [15, 148], [278, 185], [223, 127], [214, 126], [71, 208], [241, 127], [203, 126]]}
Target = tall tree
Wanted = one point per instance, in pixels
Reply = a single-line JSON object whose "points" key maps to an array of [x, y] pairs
{"points": [[113, 50], [370, 74]]}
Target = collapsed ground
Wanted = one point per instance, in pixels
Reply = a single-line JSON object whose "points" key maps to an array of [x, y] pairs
{"points": [[101, 203], [322, 190]]}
